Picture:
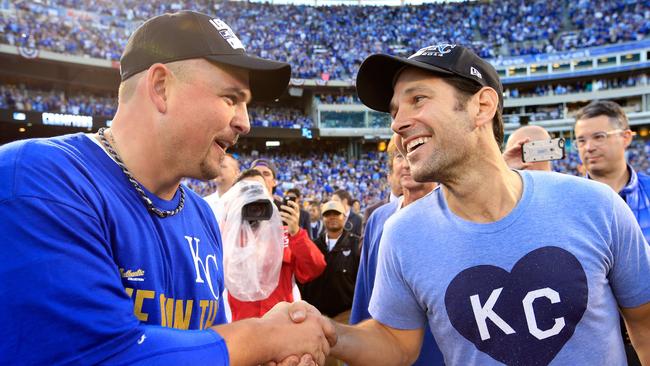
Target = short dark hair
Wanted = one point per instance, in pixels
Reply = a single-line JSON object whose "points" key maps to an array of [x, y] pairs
{"points": [[295, 191], [266, 163], [343, 195], [249, 173], [465, 89], [612, 110]]}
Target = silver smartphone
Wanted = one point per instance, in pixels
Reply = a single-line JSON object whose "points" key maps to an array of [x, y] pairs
{"points": [[543, 150]]}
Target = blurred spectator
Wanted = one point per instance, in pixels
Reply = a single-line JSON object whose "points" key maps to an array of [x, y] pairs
{"points": [[315, 223], [410, 191], [228, 173], [332, 292], [353, 222], [294, 193]]}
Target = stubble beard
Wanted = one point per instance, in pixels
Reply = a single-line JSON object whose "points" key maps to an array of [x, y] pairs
{"points": [[207, 171], [441, 166]]}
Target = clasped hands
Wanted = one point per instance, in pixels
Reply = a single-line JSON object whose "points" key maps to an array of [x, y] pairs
{"points": [[304, 337]]}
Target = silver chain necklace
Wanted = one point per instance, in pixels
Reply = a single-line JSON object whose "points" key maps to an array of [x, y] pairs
{"points": [[147, 201]]}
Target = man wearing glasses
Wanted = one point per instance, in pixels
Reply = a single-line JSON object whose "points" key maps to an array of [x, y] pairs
{"points": [[602, 135]]}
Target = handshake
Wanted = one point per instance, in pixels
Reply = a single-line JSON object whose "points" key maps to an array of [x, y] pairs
{"points": [[300, 335]]}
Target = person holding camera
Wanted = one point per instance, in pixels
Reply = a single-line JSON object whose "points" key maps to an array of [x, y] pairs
{"points": [[513, 156], [301, 258]]}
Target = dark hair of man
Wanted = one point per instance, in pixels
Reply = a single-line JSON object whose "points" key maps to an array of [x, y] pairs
{"points": [[249, 173], [294, 191], [617, 117], [315, 203], [344, 195], [465, 89]]}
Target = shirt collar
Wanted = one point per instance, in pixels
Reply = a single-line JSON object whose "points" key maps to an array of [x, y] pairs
{"points": [[631, 184]]}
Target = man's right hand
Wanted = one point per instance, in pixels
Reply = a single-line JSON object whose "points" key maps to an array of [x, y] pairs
{"points": [[513, 157]]}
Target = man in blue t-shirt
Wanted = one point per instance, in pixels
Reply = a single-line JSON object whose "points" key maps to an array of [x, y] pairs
{"points": [[497, 262], [105, 258]]}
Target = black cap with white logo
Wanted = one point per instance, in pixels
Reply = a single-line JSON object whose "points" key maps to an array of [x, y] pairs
{"points": [[186, 35], [379, 72]]}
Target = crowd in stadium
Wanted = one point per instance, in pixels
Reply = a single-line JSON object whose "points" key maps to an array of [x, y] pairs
{"points": [[337, 99], [330, 42], [577, 87], [317, 176], [283, 117], [22, 98]]}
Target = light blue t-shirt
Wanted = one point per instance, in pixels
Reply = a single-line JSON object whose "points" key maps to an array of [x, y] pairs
{"points": [[542, 285]]}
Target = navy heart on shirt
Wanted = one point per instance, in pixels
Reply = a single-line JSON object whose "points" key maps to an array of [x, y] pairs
{"points": [[526, 316]]}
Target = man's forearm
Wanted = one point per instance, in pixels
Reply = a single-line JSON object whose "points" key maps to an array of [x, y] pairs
{"points": [[642, 347], [371, 343], [246, 345]]}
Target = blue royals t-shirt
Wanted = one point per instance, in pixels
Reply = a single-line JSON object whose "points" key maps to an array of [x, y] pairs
{"points": [[540, 286], [90, 276]]}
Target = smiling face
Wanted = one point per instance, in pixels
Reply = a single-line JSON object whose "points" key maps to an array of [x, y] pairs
{"points": [[206, 115], [403, 171], [333, 220], [433, 127]]}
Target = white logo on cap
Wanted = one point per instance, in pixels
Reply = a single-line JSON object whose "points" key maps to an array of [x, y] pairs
{"points": [[473, 71], [227, 33], [437, 50]]}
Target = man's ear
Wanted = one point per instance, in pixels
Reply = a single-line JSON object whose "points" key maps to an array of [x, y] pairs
{"points": [[158, 77], [488, 102], [627, 137]]}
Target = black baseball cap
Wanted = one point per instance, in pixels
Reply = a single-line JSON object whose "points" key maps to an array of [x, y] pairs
{"points": [[187, 35], [378, 73]]}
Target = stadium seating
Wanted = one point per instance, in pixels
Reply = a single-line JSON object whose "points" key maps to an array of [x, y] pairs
{"points": [[330, 42]]}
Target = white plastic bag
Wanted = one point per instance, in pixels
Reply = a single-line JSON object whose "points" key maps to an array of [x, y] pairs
{"points": [[252, 252]]}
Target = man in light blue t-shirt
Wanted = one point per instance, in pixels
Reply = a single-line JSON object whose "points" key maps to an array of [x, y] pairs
{"points": [[498, 262]]}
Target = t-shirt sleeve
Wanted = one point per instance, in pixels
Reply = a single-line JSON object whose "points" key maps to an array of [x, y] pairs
{"points": [[393, 302], [361, 291], [62, 297], [631, 258]]}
